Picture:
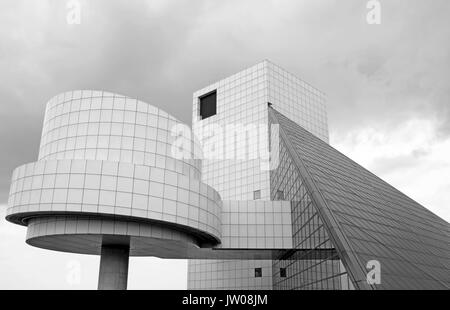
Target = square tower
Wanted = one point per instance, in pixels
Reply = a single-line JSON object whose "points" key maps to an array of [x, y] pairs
{"points": [[240, 100]]}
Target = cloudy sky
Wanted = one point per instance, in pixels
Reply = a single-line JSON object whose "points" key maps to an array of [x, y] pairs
{"points": [[388, 89]]}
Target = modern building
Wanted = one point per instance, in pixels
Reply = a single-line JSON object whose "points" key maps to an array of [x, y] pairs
{"points": [[105, 184], [256, 198], [343, 217], [242, 99], [338, 204]]}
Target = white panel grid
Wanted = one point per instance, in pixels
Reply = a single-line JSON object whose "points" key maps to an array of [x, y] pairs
{"points": [[256, 224], [298, 100], [117, 189], [105, 126], [226, 274]]}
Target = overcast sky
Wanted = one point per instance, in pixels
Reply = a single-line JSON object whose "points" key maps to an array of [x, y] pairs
{"points": [[388, 89]]}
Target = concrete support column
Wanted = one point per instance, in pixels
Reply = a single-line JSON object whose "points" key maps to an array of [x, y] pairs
{"points": [[113, 273]]}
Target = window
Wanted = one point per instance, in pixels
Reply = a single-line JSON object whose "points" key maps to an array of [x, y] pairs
{"points": [[283, 272], [280, 195], [257, 195], [258, 272], [208, 105]]}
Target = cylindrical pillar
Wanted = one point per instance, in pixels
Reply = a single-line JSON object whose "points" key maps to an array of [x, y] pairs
{"points": [[113, 273]]}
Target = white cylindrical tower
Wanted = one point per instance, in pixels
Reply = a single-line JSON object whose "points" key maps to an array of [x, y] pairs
{"points": [[106, 183]]}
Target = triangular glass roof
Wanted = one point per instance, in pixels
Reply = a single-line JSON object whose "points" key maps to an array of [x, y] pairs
{"points": [[367, 219]]}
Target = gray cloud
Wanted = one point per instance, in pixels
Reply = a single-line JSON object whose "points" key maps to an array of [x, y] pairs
{"points": [[386, 165], [161, 51]]}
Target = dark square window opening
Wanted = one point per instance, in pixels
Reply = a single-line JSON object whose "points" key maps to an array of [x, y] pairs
{"points": [[257, 195], [283, 272], [208, 105], [258, 272], [280, 195]]}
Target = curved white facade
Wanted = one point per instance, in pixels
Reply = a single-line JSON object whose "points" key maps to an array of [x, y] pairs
{"points": [[105, 159], [104, 126]]}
